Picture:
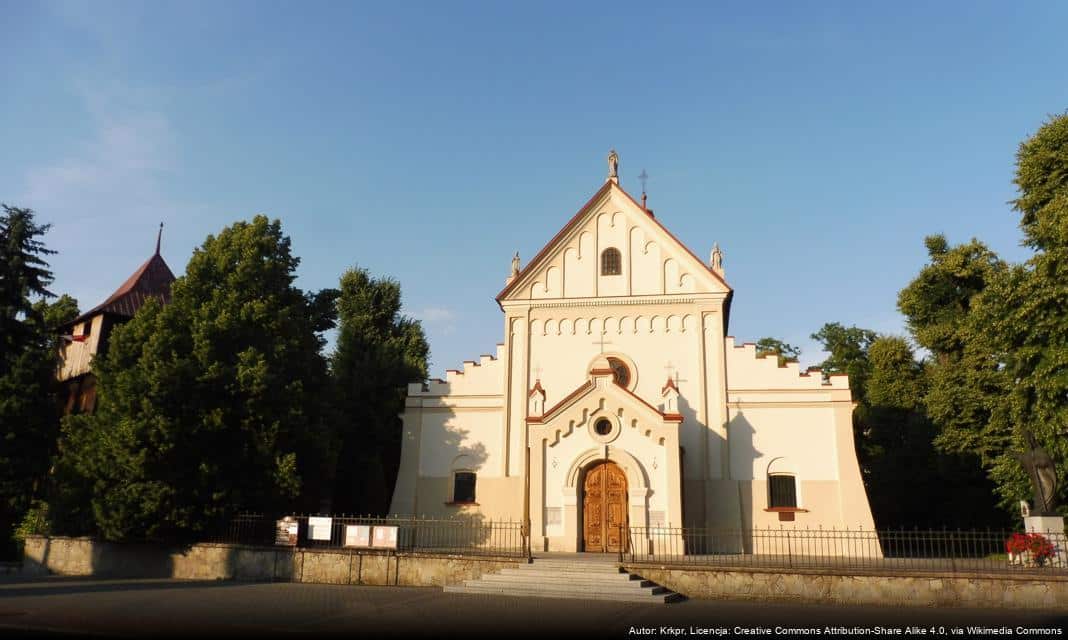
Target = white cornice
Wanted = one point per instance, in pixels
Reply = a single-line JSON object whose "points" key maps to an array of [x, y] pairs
{"points": [[617, 301]]}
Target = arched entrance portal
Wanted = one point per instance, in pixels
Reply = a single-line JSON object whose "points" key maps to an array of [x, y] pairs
{"points": [[604, 508]]}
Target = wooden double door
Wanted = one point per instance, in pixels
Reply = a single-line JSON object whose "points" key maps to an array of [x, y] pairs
{"points": [[604, 509]]}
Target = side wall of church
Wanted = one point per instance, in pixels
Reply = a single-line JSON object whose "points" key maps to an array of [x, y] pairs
{"points": [[452, 425], [781, 421]]}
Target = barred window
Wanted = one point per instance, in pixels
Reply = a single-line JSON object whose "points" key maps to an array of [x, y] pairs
{"points": [[782, 491], [463, 486], [611, 263]]}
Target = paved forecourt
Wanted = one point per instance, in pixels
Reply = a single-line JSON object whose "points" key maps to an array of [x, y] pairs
{"points": [[185, 608]]}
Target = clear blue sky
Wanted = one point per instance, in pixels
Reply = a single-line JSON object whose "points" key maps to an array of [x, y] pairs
{"points": [[817, 142]]}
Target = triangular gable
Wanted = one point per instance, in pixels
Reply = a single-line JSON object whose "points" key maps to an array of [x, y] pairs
{"points": [[653, 261], [609, 389]]}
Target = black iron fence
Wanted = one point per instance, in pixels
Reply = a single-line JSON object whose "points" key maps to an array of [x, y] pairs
{"points": [[911, 551], [466, 536], [899, 550]]}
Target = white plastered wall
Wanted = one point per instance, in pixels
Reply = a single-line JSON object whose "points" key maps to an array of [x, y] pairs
{"points": [[451, 425], [781, 420]]}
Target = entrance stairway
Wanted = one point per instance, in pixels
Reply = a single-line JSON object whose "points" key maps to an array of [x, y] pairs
{"points": [[574, 576]]}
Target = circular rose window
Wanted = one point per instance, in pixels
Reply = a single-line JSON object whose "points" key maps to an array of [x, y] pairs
{"points": [[603, 427], [620, 372]]}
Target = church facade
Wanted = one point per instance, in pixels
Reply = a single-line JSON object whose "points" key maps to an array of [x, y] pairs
{"points": [[617, 401]]}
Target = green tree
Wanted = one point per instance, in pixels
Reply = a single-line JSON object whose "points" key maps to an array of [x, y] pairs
{"points": [[785, 351], [379, 351], [913, 482], [897, 437], [1026, 310], [24, 277], [848, 353], [847, 349], [910, 482], [29, 416], [211, 404], [950, 312], [998, 333]]}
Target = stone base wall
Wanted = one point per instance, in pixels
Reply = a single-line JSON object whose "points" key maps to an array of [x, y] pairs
{"points": [[975, 590], [88, 557]]}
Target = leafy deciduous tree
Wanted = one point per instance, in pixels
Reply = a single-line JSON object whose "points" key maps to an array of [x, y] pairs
{"points": [[379, 351], [213, 403], [785, 351], [909, 481]]}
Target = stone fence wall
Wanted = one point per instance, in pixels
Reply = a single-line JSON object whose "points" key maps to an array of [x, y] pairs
{"points": [[981, 590], [85, 557]]}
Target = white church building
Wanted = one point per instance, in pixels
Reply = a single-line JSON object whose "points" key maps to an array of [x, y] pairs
{"points": [[617, 399]]}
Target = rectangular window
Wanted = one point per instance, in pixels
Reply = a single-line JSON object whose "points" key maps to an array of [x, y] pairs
{"points": [[463, 487], [782, 491]]}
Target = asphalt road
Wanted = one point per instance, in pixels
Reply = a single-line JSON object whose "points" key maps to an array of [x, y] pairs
{"points": [[188, 609]]}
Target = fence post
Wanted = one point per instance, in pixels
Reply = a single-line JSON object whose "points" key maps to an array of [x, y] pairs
{"points": [[789, 551]]}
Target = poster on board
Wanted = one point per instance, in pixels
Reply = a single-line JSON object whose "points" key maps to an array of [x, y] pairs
{"points": [[285, 534], [320, 528], [385, 538], [357, 535]]}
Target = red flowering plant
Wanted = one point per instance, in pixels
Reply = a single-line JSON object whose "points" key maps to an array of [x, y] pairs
{"points": [[1035, 545]]}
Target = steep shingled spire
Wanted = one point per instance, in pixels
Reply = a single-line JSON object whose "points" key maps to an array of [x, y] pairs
{"points": [[159, 237]]}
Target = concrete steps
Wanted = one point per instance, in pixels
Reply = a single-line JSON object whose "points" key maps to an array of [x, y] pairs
{"points": [[576, 579]]}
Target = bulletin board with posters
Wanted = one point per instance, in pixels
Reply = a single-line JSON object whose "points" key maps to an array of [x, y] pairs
{"points": [[384, 537], [357, 535], [286, 531]]}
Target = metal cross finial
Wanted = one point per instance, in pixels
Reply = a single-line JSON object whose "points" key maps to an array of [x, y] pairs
{"points": [[602, 342], [643, 177], [159, 237], [537, 372], [673, 372]]}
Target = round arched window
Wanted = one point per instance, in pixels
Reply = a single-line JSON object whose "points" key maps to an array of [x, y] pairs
{"points": [[611, 262], [620, 372], [603, 427]]}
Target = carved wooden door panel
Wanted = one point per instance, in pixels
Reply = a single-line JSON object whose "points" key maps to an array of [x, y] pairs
{"points": [[604, 509]]}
